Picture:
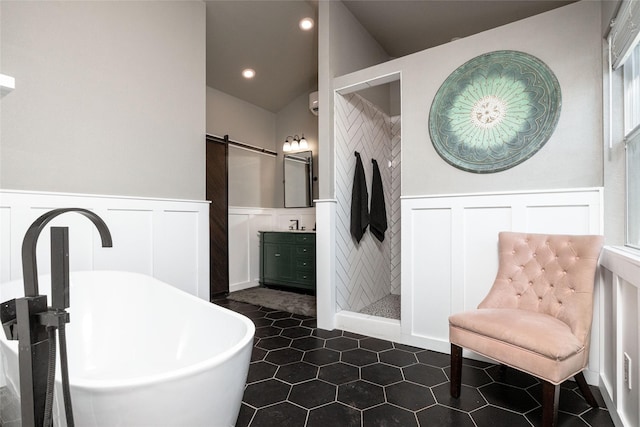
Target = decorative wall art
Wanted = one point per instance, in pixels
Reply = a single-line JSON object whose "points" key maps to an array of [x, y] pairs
{"points": [[495, 111]]}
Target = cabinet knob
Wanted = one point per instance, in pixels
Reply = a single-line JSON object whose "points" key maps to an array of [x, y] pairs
{"points": [[304, 250], [277, 255]]}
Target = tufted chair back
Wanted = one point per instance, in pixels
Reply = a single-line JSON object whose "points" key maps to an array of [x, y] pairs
{"points": [[550, 274]]}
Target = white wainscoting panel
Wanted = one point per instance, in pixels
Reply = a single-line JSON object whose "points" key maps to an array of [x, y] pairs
{"points": [[621, 334], [166, 239], [449, 252], [245, 223]]}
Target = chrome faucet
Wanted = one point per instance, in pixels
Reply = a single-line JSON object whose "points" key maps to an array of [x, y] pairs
{"points": [[291, 226], [30, 321]]}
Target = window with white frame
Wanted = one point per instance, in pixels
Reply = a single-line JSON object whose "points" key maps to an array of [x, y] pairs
{"points": [[632, 146]]}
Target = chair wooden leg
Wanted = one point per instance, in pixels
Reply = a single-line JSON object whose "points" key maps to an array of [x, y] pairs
{"points": [[550, 398], [456, 370], [585, 390]]}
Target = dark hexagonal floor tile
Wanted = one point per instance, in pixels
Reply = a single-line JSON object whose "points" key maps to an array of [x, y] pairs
{"points": [[433, 358], [267, 331], [472, 376], [297, 372], [323, 333], [381, 374], [408, 348], [491, 416], [570, 401], [278, 315], [398, 358], [341, 343], [310, 323], [257, 354], [307, 343], [359, 357], [335, 414], [262, 322], [339, 373], [273, 343], [510, 376], [313, 393], [375, 344], [564, 419], [254, 314], [410, 396], [296, 332], [470, 398], [284, 356], [245, 416], [360, 394], [388, 415], [598, 417], [424, 374], [242, 307], [321, 356], [508, 397], [353, 335], [287, 323], [266, 393], [442, 416], [259, 371], [282, 414]]}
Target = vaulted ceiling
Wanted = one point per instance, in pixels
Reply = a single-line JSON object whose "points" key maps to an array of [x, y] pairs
{"points": [[264, 35]]}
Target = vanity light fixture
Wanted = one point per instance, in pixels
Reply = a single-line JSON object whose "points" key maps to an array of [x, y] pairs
{"points": [[294, 143], [306, 24]]}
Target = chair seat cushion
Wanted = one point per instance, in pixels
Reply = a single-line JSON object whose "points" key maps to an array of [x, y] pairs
{"points": [[534, 332]]}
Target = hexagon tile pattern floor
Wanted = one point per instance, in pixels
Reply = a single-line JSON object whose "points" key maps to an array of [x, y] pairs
{"points": [[304, 376]]}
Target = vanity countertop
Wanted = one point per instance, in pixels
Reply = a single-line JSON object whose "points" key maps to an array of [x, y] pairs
{"points": [[287, 231]]}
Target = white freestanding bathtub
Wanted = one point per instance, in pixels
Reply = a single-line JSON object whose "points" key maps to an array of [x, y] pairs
{"points": [[143, 353]]}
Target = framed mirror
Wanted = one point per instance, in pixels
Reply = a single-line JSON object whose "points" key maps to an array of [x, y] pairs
{"points": [[298, 179]]}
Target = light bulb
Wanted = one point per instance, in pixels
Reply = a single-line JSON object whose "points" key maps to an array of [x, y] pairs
{"points": [[248, 73], [306, 24], [286, 146], [303, 143]]}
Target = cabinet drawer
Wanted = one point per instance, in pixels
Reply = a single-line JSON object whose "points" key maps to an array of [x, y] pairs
{"points": [[305, 262], [278, 237], [306, 277], [305, 250], [306, 238]]}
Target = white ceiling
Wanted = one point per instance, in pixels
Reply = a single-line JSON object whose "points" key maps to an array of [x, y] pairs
{"points": [[264, 35]]}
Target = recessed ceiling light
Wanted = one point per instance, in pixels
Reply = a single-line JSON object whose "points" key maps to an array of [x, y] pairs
{"points": [[306, 24], [248, 73]]}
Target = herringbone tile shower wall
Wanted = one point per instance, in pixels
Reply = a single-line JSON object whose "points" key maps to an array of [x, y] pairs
{"points": [[364, 270]]}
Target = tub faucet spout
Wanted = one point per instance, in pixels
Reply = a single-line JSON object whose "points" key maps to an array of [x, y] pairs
{"points": [[33, 323], [297, 224]]}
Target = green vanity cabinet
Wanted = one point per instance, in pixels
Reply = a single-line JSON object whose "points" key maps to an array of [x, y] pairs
{"points": [[288, 259]]}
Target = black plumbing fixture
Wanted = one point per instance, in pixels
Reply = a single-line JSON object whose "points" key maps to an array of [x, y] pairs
{"points": [[297, 224], [33, 323]]}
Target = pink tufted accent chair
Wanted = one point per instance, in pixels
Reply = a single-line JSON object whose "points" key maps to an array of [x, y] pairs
{"points": [[537, 315]]}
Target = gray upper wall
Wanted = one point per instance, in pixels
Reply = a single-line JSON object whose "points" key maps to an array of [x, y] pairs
{"points": [[109, 98], [568, 40]]}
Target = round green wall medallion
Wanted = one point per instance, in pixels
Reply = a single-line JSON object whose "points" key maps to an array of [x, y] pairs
{"points": [[495, 111]]}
